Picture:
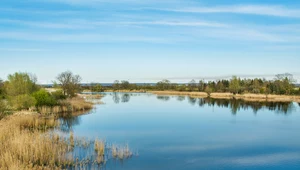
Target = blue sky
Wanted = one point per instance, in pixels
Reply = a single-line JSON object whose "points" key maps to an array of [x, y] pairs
{"points": [[150, 40]]}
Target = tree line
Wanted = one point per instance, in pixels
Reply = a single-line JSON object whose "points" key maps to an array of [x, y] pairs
{"points": [[282, 84], [21, 92]]}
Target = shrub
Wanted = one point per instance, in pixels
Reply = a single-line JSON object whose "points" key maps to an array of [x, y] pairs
{"points": [[2, 109], [58, 95], [20, 84], [24, 101], [43, 98]]}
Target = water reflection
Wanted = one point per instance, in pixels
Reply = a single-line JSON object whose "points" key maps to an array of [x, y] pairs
{"points": [[121, 97], [116, 98], [192, 100], [125, 98], [68, 121], [163, 98], [237, 105], [181, 98]]}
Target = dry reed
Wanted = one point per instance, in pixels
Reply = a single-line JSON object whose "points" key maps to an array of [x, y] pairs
{"points": [[194, 94], [67, 106], [25, 144]]}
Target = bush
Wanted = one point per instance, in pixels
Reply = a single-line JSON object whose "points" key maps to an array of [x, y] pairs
{"points": [[43, 98], [2, 109], [24, 101], [58, 95]]}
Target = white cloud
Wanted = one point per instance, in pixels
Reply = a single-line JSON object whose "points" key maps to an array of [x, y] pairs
{"points": [[268, 10], [88, 24], [23, 49], [79, 37], [92, 2], [42, 24]]}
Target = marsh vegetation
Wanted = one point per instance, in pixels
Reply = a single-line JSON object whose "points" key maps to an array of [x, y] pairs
{"points": [[32, 135], [282, 84]]}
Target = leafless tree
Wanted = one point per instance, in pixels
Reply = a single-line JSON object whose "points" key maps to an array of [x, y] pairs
{"points": [[69, 83]]}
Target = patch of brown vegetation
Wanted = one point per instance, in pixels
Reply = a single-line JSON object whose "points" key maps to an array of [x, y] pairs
{"points": [[193, 94], [246, 97], [76, 104], [23, 146], [127, 91], [26, 144], [90, 96], [221, 95]]}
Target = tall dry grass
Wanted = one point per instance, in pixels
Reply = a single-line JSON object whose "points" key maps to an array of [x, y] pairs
{"points": [[23, 146], [246, 96], [76, 104], [194, 94], [26, 144]]}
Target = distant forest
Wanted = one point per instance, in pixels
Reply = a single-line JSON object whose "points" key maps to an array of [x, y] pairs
{"points": [[282, 84]]}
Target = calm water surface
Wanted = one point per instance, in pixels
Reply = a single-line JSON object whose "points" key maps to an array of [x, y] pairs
{"points": [[182, 133]]}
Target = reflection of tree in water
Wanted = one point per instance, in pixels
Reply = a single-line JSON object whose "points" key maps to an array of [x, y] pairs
{"points": [[116, 97], [125, 98], [180, 98], [68, 121], [236, 105], [192, 100], [164, 98], [299, 104]]}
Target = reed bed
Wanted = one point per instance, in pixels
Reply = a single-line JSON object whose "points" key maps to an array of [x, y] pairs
{"points": [[26, 144], [221, 95], [246, 96], [91, 96], [67, 106], [194, 94], [127, 91], [121, 152], [267, 97]]}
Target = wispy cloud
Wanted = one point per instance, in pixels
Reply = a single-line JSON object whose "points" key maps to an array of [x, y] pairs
{"points": [[79, 38], [136, 2], [42, 24], [23, 49], [87, 24], [178, 23], [267, 10]]}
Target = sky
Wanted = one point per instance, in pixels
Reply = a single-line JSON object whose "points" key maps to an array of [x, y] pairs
{"points": [[150, 40]]}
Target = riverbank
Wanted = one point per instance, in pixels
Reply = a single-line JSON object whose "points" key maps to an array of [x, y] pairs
{"points": [[29, 140], [246, 97], [127, 91]]}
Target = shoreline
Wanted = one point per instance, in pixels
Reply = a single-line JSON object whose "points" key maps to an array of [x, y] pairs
{"points": [[246, 97], [251, 97], [31, 130]]}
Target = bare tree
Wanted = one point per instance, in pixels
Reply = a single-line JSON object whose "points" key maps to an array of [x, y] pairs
{"points": [[285, 76], [192, 85], [69, 83]]}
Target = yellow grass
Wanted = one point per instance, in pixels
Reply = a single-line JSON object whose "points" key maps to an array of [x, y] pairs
{"points": [[194, 94], [127, 91], [70, 105], [221, 95], [121, 153], [246, 97], [90, 96], [23, 146]]}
